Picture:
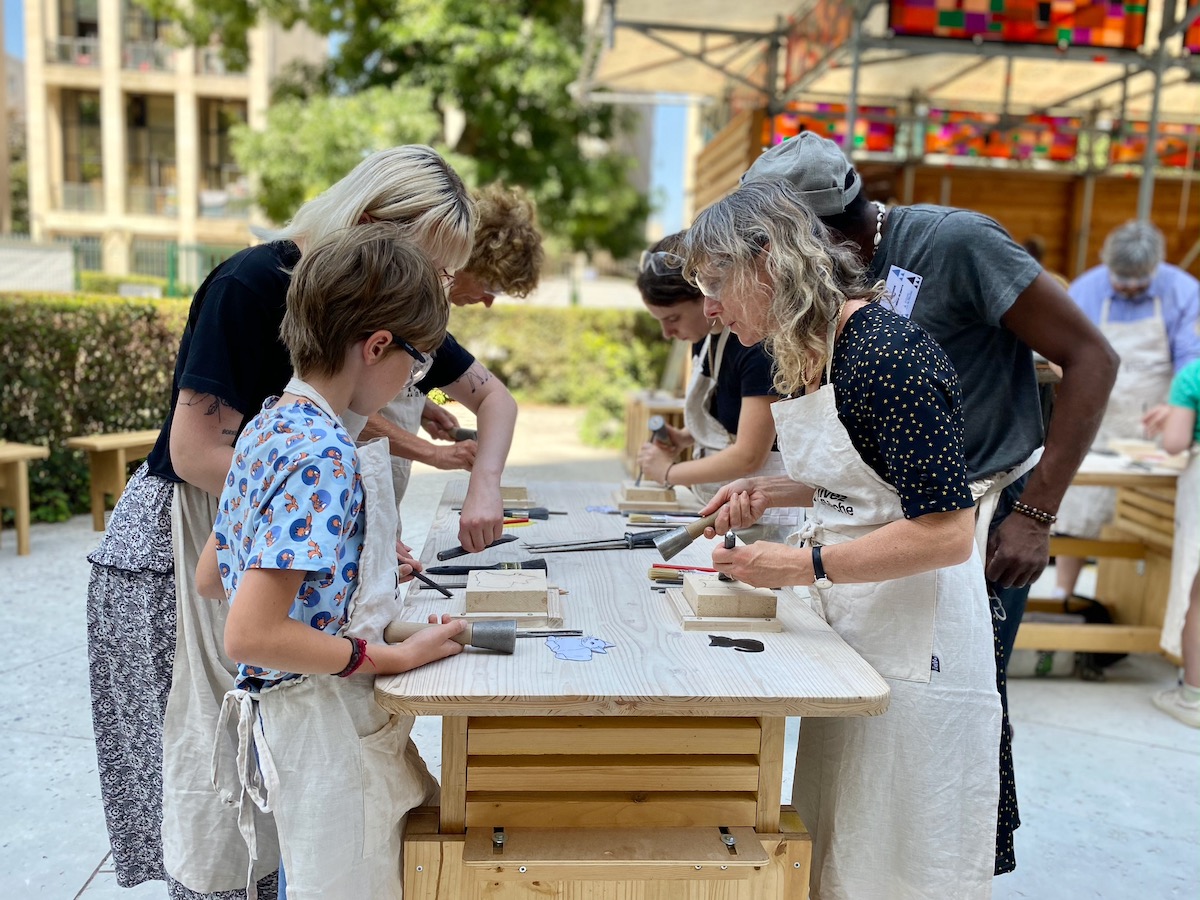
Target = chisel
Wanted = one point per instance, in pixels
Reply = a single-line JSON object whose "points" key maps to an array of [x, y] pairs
{"points": [[463, 570]]}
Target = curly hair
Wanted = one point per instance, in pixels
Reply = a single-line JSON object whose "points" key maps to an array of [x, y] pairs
{"points": [[673, 288], [810, 273], [507, 255]]}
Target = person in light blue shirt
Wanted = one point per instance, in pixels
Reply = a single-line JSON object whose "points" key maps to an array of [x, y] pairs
{"points": [[1147, 309], [1133, 276]]}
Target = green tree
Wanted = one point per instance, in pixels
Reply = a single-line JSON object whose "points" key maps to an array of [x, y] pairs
{"points": [[18, 177], [507, 65]]}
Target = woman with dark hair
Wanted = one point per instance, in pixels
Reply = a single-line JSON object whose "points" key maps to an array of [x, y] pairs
{"points": [[727, 411]]}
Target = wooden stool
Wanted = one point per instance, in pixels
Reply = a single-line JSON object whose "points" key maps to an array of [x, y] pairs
{"points": [[109, 456], [14, 485]]}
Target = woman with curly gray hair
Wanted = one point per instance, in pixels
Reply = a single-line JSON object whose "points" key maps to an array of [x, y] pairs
{"points": [[870, 427]]}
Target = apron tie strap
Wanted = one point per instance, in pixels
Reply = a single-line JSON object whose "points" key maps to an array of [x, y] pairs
{"points": [[254, 772], [810, 531]]}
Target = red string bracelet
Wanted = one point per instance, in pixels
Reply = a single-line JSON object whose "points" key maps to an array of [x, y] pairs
{"points": [[358, 652]]}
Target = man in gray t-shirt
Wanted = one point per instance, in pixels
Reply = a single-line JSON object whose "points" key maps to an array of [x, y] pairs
{"points": [[971, 272], [985, 300]]}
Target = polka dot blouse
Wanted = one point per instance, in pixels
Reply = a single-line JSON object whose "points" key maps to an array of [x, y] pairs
{"points": [[899, 399]]}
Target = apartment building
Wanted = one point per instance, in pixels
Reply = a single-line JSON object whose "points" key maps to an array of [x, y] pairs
{"points": [[128, 133]]}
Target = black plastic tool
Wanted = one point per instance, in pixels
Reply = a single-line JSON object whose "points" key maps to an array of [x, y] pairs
{"points": [[456, 552], [531, 512]]}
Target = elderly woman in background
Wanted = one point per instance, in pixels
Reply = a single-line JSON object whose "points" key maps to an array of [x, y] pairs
{"points": [[727, 409], [902, 806]]}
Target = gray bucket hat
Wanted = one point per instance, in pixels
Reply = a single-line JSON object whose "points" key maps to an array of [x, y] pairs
{"points": [[813, 165]]}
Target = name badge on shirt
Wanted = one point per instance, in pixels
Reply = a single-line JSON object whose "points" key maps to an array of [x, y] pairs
{"points": [[903, 285]]}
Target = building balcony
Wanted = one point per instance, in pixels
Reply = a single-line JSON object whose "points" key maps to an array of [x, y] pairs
{"points": [[226, 204], [147, 56], [77, 197], [209, 61], [150, 201], [74, 51]]}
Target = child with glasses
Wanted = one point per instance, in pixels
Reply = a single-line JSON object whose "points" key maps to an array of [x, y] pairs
{"points": [[303, 550]]}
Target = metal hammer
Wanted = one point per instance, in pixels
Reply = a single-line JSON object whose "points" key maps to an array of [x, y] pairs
{"points": [[678, 539], [499, 636]]}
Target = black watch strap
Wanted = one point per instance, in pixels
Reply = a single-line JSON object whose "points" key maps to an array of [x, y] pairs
{"points": [[820, 579]]}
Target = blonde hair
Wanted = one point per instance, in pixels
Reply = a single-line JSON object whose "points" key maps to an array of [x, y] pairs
{"points": [[507, 255], [812, 274], [410, 186], [353, 283]]}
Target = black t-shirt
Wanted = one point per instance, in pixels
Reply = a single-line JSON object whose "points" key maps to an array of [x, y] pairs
{"points": [[450, 361], [743, 372], [230, 347], [899, 400]]}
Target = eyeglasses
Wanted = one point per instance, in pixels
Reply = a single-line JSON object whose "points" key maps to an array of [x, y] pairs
{"points": [[660, 263], [421, 362]]}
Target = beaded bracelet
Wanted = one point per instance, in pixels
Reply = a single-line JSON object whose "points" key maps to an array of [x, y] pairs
{"points": [[358, 653], [1038, 515]]}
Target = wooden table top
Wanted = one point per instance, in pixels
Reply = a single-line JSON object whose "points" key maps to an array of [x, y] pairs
{"points": [[1100, 470], [654, 668]]}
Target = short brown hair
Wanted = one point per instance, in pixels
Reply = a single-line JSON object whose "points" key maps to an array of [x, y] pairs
{"points": [[507, 255], [355, 282]]}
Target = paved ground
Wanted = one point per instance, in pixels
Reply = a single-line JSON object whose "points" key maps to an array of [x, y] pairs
{"points": [[1109, 787]]}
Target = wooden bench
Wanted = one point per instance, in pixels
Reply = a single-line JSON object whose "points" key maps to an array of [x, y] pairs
{"points": [[109, 456], [14, 485]]}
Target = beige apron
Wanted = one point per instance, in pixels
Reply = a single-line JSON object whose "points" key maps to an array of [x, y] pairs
{"points": [[713, 437], [338, 772], [202, 847], [1185, 557], [903, 806], [404, 412], [1143, 381]]}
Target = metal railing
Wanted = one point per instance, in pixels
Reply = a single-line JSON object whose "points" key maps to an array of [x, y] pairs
{"points": [[209, 61], [74, 51], [150, 201], [147, 56], [75, 197], [225, 204]]}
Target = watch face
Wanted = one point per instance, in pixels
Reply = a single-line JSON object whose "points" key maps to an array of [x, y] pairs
{"points": [[823, 583]]}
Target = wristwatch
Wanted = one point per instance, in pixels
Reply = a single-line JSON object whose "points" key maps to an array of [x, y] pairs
{"points": [[820, 579]]}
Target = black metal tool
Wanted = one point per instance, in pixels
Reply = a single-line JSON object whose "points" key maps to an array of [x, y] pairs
{"points": [[465, 434], [429, 582], [730, 543], [532, 512], [627, 542], [463, 570], [456, 552]]}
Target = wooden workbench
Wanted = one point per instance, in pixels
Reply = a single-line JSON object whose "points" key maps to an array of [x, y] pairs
{"points": [[1133, 556], [614, 777]]}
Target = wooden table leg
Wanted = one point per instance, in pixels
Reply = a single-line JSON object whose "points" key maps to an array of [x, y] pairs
{"points": [[96, 488], [454, 774], [20, 479], [770, 774]]}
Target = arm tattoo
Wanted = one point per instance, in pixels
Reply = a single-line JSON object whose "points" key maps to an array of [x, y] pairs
{"points": [[476, 377], [214, 405]]}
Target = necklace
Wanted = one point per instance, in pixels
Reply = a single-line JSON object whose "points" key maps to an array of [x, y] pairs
{"points": [[880, 211]]}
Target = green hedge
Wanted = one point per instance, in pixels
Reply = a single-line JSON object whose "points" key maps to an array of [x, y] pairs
{"points": [[80, 364], [579, 357], [103, 283]]}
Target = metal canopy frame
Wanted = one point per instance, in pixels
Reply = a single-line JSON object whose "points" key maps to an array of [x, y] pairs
{"points": [[741, 46]]}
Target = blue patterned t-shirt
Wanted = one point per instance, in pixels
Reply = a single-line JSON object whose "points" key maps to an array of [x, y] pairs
{"points": [[293, 499]]}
